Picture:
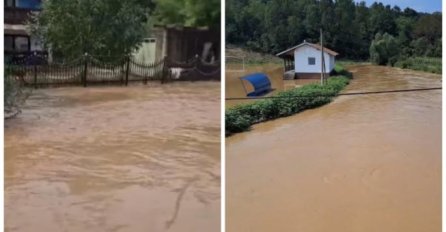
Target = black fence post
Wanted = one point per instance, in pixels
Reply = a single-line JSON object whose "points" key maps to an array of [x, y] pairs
{"points": [[165, 69], [127, 71], [34, 60], [35, 75], [84, 77]]}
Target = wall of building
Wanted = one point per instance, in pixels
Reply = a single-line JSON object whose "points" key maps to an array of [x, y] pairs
{"points": [[301, 56], [185, 43], [181, 44]]}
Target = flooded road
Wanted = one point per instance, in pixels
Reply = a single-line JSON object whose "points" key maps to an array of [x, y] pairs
{"points": [[361, 163], [137, 158]]}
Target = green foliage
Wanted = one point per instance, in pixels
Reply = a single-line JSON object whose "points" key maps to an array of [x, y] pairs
{"points": [[188, 12], [100, 27], [271, 26], [236, 122], [13, 94], [339, 70], [426, 64], [384, 49], [428, 26], [286, 103], [10, 89]]}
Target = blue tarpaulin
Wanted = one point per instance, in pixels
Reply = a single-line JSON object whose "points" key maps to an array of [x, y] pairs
{"points": [[260, 82]]}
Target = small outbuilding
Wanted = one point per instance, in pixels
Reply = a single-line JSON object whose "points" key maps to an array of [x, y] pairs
{"points": [[304, 60]]}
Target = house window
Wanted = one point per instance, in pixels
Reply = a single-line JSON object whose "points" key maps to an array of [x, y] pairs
{"points": [[21, 44], [311, 61], [9, 43]]}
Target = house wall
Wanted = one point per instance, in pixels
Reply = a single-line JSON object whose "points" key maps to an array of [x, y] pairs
{"points": [[36, 44], [301, 56], [185, 43], [182, 44], [332, 63], [152, 49]]}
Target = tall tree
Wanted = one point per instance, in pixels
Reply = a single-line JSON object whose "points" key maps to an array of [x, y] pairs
{"points": [[274, 25], [428, 26], [100, 27], [188, 12]]}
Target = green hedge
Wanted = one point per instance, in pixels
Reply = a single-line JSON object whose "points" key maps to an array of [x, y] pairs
{"points": [[241, 117]]}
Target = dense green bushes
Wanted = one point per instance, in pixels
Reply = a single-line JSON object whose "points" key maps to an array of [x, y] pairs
{"points": [[240, 118], [14, 94], [384, 49], [10, 89], [426, 64]]}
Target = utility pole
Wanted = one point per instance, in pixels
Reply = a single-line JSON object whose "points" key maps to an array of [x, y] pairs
{"points": [[323, 77], [322, 59]]}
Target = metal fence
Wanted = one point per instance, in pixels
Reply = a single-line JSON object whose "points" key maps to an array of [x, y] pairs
{"points": [[35, 71], [88, 70], [193, 70]]}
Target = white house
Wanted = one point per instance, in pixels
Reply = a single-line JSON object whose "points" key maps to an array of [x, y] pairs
{"points": [[304, 60]]}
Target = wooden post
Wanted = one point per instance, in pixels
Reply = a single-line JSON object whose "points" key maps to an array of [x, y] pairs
{"points": [[127, 71], [322, 58]]}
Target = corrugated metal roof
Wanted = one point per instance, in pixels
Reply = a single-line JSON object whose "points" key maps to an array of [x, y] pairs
{"points": [[317, 46]]}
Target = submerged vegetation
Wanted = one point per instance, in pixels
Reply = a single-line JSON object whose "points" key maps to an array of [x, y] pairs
{"points": [[14, 94], [286, 103], [426, 64]]}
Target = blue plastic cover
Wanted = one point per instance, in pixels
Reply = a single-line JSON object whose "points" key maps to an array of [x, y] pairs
{"points": [[260, 82]]}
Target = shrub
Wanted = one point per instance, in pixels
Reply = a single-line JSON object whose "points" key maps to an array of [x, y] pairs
{"points": [[236, 122], [341, 71], [286, 103], [384, 49], [426, 64], [14, 93], [11, 89]]}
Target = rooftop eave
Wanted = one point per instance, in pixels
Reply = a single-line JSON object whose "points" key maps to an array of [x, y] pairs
{"points": [[281, 54]]}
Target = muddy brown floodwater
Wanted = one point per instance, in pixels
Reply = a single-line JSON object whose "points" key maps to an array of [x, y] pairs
{"points": [[139, 158], [361, 163]]}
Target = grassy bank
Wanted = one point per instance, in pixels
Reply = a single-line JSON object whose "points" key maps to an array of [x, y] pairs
{"points": [[425, 64], [250, 57], [286, 103]]}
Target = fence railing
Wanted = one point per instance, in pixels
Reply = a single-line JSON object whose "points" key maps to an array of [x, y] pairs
{"points": [[193, 70], [35, 71], [85, 71]]}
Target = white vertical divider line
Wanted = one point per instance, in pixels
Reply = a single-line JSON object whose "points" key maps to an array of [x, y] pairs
{"points": [[222, 124], [2, 75], [443, 104]]}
